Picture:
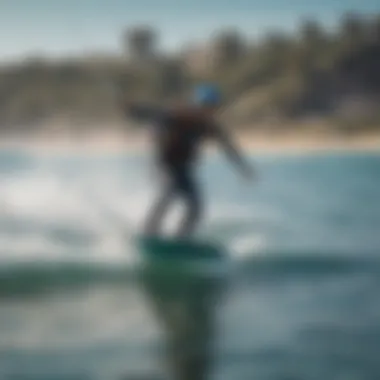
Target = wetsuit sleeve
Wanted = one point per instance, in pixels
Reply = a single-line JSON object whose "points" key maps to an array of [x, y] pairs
{"points": [[144, 113]]}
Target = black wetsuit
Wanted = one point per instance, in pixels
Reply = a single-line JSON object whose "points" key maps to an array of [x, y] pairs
{"points": [[178, 136]]}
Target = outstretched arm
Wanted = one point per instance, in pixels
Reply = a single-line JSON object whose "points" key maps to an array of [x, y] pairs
{"points": [[143, 112], [233, 152]]}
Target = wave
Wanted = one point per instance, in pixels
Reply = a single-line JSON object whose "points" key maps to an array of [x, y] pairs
{"points": [[30, 278], [287, 263]]}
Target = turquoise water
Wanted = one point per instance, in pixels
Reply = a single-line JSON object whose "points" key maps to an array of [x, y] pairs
{"points": [[300, 300]]}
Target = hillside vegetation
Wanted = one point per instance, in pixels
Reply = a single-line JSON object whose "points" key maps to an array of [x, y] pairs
{"points": [[331, 75]]}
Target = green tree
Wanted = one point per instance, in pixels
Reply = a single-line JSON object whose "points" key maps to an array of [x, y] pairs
{"points": [[140, 43], [229, 47]]}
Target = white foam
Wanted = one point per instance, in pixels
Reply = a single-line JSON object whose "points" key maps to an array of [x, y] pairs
{"points": [[98, 201], [247, 246]]}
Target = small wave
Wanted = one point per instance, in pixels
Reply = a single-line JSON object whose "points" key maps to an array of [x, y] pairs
{"points": [[44, 277], [282, 263], [39, 277]]}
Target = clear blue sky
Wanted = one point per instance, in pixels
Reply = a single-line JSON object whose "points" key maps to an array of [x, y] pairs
{"points": [[59, 27]]}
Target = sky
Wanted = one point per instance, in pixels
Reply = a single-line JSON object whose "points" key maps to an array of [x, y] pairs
{"points": [[71, 27]]}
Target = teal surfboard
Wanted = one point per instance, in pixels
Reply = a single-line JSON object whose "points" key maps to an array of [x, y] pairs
{"points": [[179, 249]]}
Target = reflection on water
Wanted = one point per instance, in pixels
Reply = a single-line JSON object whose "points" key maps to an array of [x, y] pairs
{"points": [[185, 302], [303, 305]]}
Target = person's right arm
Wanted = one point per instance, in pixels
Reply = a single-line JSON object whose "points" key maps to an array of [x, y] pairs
{"points": [[142, 112]]}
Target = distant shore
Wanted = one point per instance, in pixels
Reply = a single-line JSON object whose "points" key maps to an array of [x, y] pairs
{"points": [[252, 141]]}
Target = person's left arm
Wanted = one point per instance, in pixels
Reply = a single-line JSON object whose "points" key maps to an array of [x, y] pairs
{"points": [[233, 152]]}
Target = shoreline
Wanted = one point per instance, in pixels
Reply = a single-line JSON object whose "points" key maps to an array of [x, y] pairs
{"points": [[251, 142]]}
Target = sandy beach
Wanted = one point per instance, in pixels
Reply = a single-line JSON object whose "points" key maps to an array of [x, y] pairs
{"points": [[119, 142]]}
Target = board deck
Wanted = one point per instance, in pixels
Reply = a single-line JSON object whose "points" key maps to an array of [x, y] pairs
{"points": [[179, 249]]}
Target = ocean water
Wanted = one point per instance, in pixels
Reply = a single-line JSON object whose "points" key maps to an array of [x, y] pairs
{"points": [[300, 299]]}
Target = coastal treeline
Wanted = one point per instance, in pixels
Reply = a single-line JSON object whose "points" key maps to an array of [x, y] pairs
{"points": [[315, 73]]}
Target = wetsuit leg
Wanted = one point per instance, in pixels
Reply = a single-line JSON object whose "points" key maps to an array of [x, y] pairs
{"points": [[180, 182], [160, 207], [187, 188]]}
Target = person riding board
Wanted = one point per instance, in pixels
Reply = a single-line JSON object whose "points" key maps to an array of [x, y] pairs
{"points": [[179, 134]]}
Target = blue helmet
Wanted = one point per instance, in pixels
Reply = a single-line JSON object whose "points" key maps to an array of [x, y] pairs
{"points": [[207, 95]]}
